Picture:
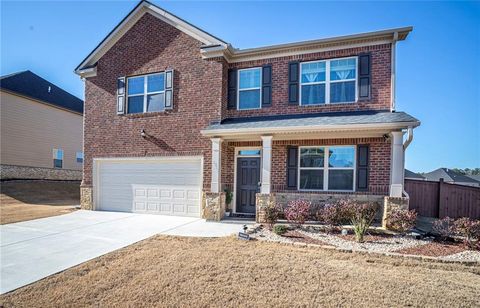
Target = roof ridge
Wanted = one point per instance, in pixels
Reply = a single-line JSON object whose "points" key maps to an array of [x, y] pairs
{"points": [[13, 74]]}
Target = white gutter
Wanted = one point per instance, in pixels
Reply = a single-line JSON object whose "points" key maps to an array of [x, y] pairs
{"points": [[293, 129], [405, 146], [393, 71]]}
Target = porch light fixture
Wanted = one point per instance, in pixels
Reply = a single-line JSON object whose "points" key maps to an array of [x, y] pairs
{"points": [[143, 133]]}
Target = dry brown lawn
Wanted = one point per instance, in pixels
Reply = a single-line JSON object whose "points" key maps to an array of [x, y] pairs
{"points": [[27, 200], [193, 272]]}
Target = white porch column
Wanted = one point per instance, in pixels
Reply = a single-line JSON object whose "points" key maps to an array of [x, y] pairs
{"points": [[216, 164], [396, 182], [266, 164]]}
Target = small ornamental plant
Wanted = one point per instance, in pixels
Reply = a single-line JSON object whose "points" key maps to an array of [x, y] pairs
{"points": [[469, 229], [401, 220], [298, 211], [333, 214], [272, 213], [280, 229], [444, 227], [361, 216]]}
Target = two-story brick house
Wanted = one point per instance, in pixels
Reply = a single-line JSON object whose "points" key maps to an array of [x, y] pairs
{"points": [[174, 116]]}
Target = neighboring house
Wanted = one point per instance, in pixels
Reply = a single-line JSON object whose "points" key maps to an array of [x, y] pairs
{"points": [[174, 116], [475, 177], [410, 175], [41, 129], [450, 176]]}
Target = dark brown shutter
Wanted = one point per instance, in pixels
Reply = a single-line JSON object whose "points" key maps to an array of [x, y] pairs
{"points": [[292, 167], [267, 85], [362, 166], [293, 82], [364, 77], [121, 95], [232, 89], [169, 89]]}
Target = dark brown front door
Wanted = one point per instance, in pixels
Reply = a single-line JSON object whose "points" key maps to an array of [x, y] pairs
{"points": [[248, 178]]}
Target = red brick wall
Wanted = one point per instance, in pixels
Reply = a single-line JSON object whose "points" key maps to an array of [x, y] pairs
{"points": [[152, 46], [379, 168], [380, 84]]}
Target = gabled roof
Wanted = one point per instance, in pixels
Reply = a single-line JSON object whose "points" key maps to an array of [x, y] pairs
{"points": [[448, 175], [333, 121], [138, 11], [33, 86], [214, 47], [412, 175]]}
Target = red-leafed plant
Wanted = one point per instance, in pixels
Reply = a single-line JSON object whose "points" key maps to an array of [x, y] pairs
{"points": [[401, 220], [444, 227], [298, 211], [272, 213], [334, 214], [469, 229]]}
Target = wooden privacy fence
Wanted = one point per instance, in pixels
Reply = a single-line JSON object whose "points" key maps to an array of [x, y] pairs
{"points": [[440, 199]]}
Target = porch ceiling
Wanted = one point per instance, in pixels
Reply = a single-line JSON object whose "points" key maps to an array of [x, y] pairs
{"points": [[323, 125]]}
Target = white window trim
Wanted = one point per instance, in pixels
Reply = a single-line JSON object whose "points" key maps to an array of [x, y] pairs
{"points": [[326, 168], [328, 82], [247, 89], [235, 163], [145, 93]]}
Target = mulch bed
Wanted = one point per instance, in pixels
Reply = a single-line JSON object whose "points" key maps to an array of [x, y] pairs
{"points": [[434, 249], [299, 237]]}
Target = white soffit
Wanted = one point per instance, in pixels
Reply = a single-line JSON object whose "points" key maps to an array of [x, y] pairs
{"points": [[128, 22]]}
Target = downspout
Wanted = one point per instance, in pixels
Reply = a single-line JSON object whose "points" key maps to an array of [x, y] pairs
{"points": [[393, 71], [405, 146]]}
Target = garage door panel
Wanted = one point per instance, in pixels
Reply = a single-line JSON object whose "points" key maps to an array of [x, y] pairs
{"points": [[171, 188]]}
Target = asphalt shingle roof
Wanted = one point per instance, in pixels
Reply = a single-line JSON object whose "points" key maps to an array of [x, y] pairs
{"points": [[448, 175], [333, 118], [29, 84], [413, 175]]}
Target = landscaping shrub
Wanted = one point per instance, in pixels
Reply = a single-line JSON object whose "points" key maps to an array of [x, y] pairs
{"points": [[361, 216], [333, 214], [444, 227], [272, 213], [401, 220], [280, 229], [298, 211], [469, 229]]}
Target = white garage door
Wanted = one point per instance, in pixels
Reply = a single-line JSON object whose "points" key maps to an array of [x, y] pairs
{"points": [[169, 186]]}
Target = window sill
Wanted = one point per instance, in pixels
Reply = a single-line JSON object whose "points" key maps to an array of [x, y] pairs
{"points": [[146, 114]]}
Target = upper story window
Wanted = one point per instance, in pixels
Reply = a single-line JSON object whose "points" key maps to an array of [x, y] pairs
{"points": [[328, 81], [57, 158], [249, 88], [79, 157], [146, 93]]}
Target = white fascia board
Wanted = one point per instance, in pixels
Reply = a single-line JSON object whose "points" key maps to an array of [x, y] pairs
{"points": [[132, 18], [312, 128]]}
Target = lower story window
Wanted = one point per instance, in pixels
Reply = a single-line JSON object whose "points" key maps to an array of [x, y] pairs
{"points": [[57, 158], [327, 168], [79, 157]]}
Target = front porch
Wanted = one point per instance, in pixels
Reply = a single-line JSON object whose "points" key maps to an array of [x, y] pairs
{"points": [[262, 161]]}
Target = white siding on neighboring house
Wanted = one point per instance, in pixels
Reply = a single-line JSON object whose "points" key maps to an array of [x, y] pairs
{"points": [[30, 130]]}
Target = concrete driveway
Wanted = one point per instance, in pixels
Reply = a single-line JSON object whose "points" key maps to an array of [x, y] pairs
{"points": [[35, 249]]}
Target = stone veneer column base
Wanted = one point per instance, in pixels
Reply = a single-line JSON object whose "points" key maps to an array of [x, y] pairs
{"points": [[86, 197], [263, 201], [213, 206], [392, 203]]}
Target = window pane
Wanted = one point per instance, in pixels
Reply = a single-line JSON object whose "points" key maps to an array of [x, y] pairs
{"points": [[135, 104], [57, 163], [249, 78], [343, 69], [340, 179], [311, 179], [312, 157], [156, 102], [249, 99], [313, 94], [135, 85], [156, 83], [342, 92], [313, 72], [341, 157], [249, 152]]}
